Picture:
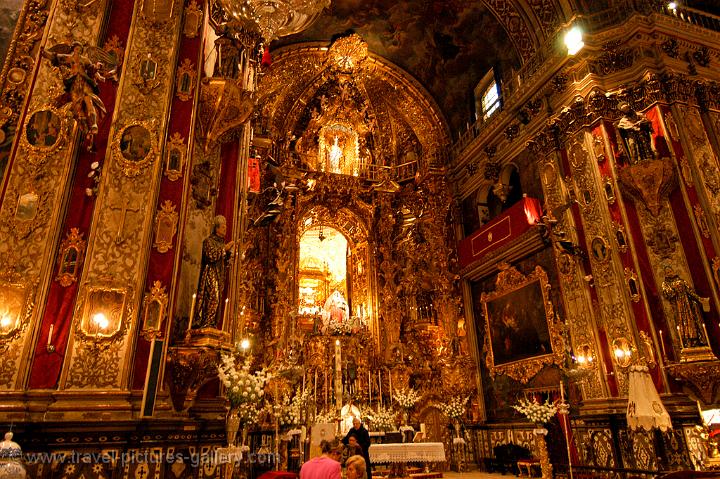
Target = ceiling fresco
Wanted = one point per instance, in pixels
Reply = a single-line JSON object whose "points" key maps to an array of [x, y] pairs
{"points": [[448, 45]]}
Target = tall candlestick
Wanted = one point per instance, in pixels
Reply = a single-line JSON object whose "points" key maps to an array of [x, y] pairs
{"points": [[662, 345], [390, 385], [326, 389], [369, 388], [50, 333], [192, 312], [707, 336], [225, 310], [380, 388], [303, 380], [562, 391], [680, 337], [315, 395]]}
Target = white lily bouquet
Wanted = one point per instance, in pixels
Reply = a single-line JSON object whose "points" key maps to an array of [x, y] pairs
{"points": [[406, 398], [382, 419], [291, 412], [244, 389], [535, 411], [455, 407]]}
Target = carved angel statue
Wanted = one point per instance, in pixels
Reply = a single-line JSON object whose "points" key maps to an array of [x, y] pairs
{"points": [[81, 68]]}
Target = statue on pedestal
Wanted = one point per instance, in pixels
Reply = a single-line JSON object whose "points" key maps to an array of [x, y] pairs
{"points": [[636, 132], [216, 256], [687, 306]]}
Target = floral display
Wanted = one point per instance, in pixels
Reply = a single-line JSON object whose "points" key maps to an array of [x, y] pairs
{"points": [[292, 410], [242, 386], [406, 398], [326, 417], [382, 419], [455, 407], [535, 411]]}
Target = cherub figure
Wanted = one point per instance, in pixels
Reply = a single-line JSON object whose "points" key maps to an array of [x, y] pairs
{"points": [[81, 69]]}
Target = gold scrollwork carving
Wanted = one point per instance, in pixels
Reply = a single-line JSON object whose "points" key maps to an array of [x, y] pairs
{"points": [[105, 313], [631, 280], [72, 252], [134, 147], [185, 80], [165, 227], [193, 20], [154, 311], [175, 152], [499, 307]]}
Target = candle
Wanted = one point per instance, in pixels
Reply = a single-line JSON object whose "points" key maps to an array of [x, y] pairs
{"points": [[225, 310], [303, 380], [662, 344], [50, 333], [680, 336], [326, 389], [707, 336], [380, 388], [390, 383], [369, 388], [192, 311], [562, 391]]}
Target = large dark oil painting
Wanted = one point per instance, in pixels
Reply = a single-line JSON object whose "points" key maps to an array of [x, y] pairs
{"points": [[518, 325], [448, 45]]}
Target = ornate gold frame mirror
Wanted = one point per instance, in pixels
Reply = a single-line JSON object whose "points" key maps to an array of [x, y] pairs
{"points": [[154, 310], [520, 337], [193, 20], [165, 227], [185, 80], [134, 147], [15, 308], [72, 253], [103, 313], [175, 152]]}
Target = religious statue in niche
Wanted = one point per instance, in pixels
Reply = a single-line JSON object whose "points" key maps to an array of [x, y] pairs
{"points": [[636, 133], [81, 68], [216, 256], [335, 311], [203, 184], [688, 308], [228, 56]]}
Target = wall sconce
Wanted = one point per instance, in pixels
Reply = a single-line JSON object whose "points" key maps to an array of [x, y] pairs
{"points": [[103, 313], [244, 344], [584, 358], [574, 40], [622, 352]]}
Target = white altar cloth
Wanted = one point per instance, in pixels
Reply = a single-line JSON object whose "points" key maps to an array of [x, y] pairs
{"points": [[407, 452]]}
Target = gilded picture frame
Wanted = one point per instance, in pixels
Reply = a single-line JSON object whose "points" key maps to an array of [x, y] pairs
{"points": [[44, 131], [175, 154], [154, 311], [193, 20], [70, 257], [134, 147], [185, 80], [521, 337]]}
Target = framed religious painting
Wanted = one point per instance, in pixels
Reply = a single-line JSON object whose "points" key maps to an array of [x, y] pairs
{"points": [[521, 333], [134, 147], [175, 157], [154, 311]]}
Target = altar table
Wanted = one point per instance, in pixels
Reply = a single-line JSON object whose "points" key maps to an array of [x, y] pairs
{"points": [[407, 452]]}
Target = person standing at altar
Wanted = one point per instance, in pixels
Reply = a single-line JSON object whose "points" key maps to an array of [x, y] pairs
{"points": [[216, 256], [363, 439], [327, 465]]}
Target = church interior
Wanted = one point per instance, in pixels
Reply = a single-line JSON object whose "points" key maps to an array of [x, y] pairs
{"points": [[488, 229]]}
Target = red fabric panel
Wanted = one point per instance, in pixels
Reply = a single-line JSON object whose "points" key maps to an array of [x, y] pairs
{"points": [[225, 205], [45, 367], [509, 225], [682, 212], [161, 265]]}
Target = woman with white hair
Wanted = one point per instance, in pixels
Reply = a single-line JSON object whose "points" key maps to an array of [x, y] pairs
{"points": [[216, 256]]}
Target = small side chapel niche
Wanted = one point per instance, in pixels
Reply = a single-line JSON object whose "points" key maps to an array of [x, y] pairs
{"points": [[154, 309], [338, 150], [175, 157], [72, 252]]}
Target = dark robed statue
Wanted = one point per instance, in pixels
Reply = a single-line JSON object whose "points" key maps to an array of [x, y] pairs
{"points": [[216, 256]]}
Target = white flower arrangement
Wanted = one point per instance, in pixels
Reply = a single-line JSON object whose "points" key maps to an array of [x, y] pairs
{"points": [[406, 398], [241, 385], [291, 411], [536, 412], [326, 417], [455, 407], [382, 419]]}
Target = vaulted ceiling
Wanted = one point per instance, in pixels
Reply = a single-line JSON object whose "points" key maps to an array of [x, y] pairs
{"points": [[447, 45]]}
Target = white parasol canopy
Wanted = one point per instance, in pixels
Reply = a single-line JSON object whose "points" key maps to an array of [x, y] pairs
{"points": [[645, 409]]}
